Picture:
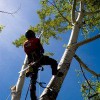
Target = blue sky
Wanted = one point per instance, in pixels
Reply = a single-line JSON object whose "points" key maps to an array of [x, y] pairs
{"points": [[11, 58]]}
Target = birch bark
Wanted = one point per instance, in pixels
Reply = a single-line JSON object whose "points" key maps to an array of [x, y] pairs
{"points": [[53, 87], [17, 89]]}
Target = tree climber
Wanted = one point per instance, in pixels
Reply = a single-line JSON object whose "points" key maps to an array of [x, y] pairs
{"points": [[34, 51]]}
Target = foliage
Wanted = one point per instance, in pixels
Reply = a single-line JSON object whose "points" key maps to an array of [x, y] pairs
{"points": [[51, 20], [1, 27], [19, 43], [55, 16], [91, 93], [92, 21], [90, 88]]}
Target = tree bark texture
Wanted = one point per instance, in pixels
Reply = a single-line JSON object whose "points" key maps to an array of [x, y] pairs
{"points": [[17, 89], [53, 88]]}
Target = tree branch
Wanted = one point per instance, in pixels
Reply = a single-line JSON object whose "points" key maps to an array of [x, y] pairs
{"points": [[85, 66], [92, 13], [11, 13], [59, 11], [81, 14], [88, 40], [73, 12], [86, 79]]}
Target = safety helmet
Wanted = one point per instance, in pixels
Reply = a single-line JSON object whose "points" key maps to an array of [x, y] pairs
{"points": [[29, 34]]}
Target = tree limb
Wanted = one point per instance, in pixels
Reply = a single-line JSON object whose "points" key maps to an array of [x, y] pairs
{"points": [[11, 13], [59, 11], [86, 79], [85, 66], [88, 40], [73, 12], [81, 14], [92, 13]]}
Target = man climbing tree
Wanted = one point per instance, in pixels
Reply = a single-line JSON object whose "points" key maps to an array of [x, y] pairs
{"points": [[34, 51], [59, 16]]}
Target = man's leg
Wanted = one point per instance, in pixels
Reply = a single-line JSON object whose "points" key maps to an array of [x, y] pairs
{"points": [[33, 77], [45, 60]]}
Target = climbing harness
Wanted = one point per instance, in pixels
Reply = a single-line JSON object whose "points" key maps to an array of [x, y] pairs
{"points": [[41, 84], [33, 63]]}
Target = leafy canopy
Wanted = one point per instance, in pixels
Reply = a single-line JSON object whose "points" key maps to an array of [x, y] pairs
{"points": [[55, 16]]}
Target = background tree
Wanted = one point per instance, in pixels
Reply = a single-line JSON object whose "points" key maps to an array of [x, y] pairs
{"points": [[1, 27], [59, 16], [10, 13]]}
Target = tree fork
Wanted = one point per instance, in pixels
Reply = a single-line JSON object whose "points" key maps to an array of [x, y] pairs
{"points": [[64, 65]]}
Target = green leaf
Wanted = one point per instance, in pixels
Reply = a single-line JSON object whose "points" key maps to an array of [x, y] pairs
{"points": [[19, 42], [1, 27]]}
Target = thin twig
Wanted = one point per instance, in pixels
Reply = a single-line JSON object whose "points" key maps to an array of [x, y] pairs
{"points": [[11, 13]]}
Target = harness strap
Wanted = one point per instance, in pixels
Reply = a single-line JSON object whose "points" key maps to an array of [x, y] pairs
{"points": [[41, 84]]}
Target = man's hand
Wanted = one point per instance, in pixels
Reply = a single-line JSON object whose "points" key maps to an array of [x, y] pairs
{"points": [[31, 64]]}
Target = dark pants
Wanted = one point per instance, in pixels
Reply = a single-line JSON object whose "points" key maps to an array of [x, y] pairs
{"points": [[44, 60]]}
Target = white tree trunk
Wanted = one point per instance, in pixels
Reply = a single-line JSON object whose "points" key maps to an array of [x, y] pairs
{"points": [[56, 82], [17, 89], [64, 65]]}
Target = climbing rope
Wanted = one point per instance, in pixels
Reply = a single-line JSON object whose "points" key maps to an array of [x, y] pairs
{"points": [[8, 96], [86, 78], [40, 84], [27, 92], [95, 93]]}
